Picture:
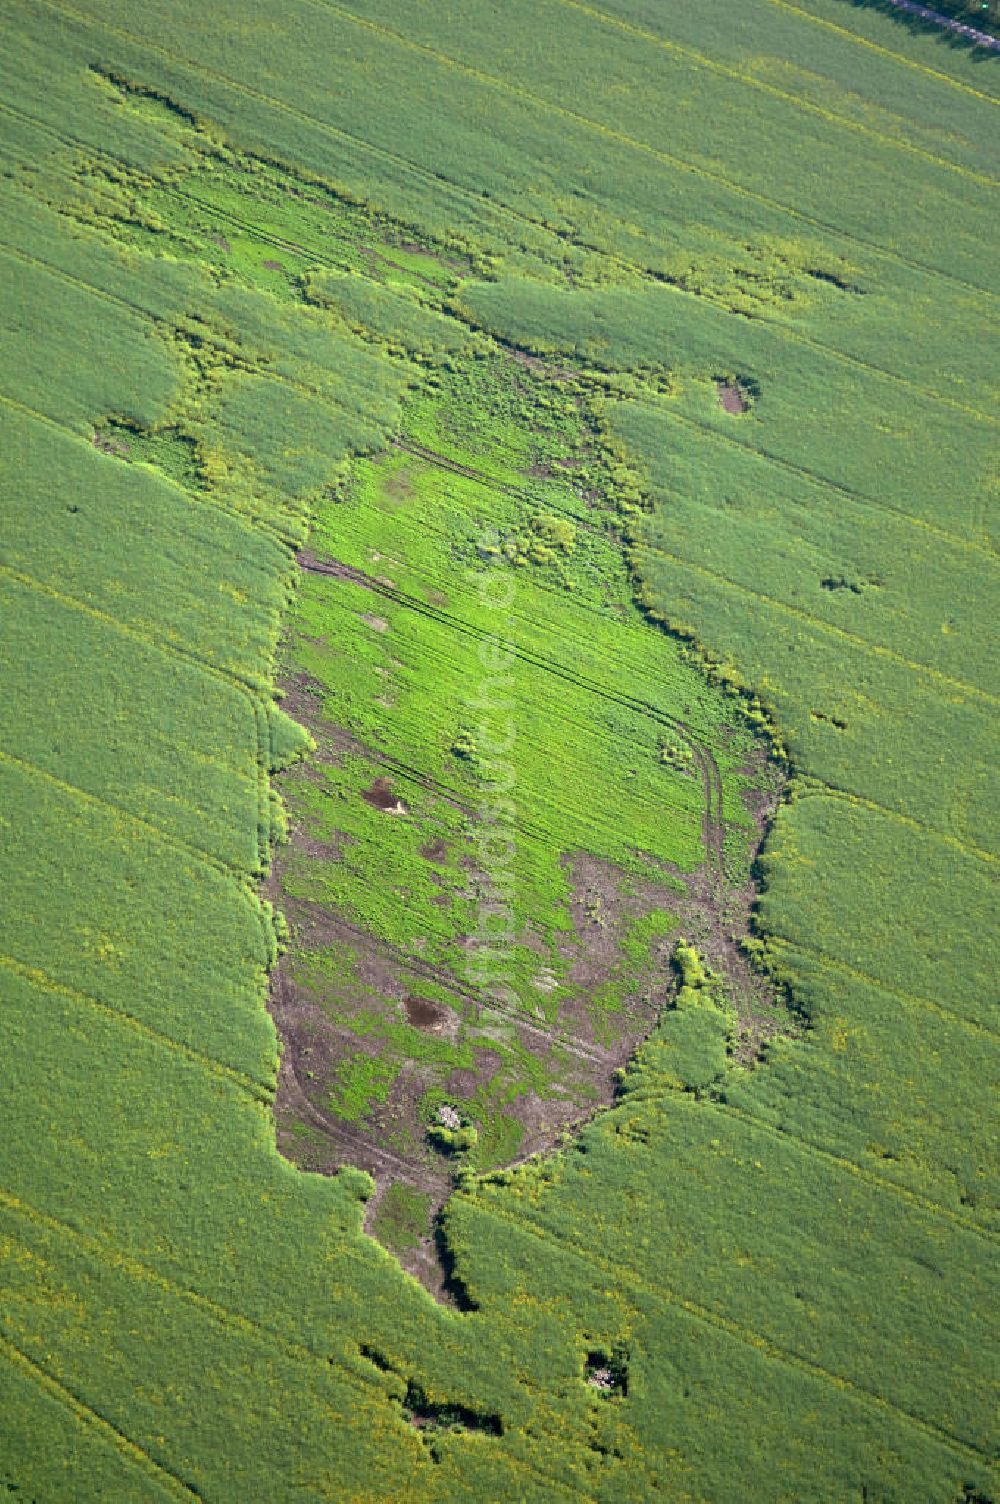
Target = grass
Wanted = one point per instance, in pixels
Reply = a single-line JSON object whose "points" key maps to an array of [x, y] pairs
{"points": [[402, 1217], [792, 1263]]}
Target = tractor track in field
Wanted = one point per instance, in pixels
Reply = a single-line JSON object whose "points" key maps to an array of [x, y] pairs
{"points": [[855, 498], [505, 487], [359, 1148], [712, 825], [313, 1052], [713, 829], [440, 976], [87, 1415], [528, 1226], [360, 1145], [714, 918], [511, 86], [376, 756], [644, 271]]}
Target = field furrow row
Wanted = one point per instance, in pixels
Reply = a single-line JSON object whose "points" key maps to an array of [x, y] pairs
{"points": [[828, 629], [913, 1000], [527, 1227], [738, 190], [261, 1091], [170, 1483], [735, 75], [858, 499], [886, 52]]}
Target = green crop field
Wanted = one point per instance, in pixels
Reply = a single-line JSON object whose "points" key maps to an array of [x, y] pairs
{"points": [[497, 562]]}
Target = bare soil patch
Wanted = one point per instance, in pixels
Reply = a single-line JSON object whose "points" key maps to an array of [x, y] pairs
{"points": [[302, 698], [398, 488], [109, 444], [731, 399], [381, 796], [340, 994], [308, 561], [326, 851], [423, 1014]]}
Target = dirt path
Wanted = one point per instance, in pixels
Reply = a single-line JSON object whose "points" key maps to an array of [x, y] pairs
{"points": [[980, 38]]}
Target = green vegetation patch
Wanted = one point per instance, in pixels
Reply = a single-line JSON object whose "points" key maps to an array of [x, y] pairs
{"points": [[402, 1217], [264, 274]]}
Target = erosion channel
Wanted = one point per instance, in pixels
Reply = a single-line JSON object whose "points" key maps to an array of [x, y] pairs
{"points": [[522, 795]]}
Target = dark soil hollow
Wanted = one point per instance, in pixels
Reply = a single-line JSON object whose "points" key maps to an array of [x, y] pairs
{"points": [[423, 1014], [380, 796]]}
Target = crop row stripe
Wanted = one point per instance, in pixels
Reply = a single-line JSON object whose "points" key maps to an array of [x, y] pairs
{"points": [[856, 498], [833, 963], [441, 180], [174, 1485], [262, 374], [862, 976], [548, 665], [345, 1362], [432, 459], [259, 1090], [99, 1246], [149, 827], [167, 649], [827, 628], [781, 330], [897, 57], [818, 481], [653, 1096], [251, 687], [58, 273], [193, 498], [712, 65], [705, 1315], [737, 189], [711, 777], [830, 791], [537, 830], [417, 966], [810, 1147], [441, 463], [149, 315], [784, 331], [591, 122]]}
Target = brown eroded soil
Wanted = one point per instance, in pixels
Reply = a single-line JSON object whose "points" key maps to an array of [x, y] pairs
{"points": [[382, 796], [341, 994], [731, 399]]}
